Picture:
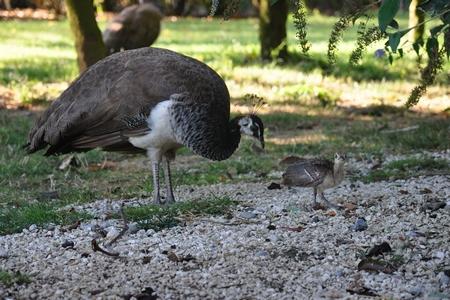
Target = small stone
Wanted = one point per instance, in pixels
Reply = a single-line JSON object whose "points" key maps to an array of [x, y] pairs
{"points": [[416, 290], [3, 253], [261, 253], [133, 228], [50, 226], [32, 228], [315, 219], [112, 233], [68, 244], [360, 224], [247, 215], [443, 279], [439, 255]]}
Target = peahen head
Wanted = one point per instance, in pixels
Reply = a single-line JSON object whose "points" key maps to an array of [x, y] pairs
{"points": [[252, 126]]}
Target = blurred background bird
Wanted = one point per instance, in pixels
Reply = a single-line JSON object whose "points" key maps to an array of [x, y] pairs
{"points": [[134, 27]]}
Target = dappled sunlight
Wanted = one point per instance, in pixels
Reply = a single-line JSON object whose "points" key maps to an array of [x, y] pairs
{"points": [[303, 138]]}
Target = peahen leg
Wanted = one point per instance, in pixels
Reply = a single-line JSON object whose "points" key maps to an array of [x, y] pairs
{"points": [[168, 178], [156, 194]]}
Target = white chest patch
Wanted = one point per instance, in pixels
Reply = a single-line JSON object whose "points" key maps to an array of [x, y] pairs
{"points": [[161, 136]]}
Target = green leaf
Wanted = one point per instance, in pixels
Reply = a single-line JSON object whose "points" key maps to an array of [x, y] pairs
{"points": [[272, 2], [387, 12], [439, 29], [394, 38]]}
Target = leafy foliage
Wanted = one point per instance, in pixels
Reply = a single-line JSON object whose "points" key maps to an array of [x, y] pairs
{"points": [[388, 28], [300, 25], [435, 9], [365, 38]]}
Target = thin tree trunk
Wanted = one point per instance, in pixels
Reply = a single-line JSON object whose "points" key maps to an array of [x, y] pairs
{"points": [[416, 16], [178, 7], [272, 29], [7, 4], [88, 38]]}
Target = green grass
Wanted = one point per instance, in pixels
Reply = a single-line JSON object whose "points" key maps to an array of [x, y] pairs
{"points": [[409, 167], [10, 278], [160, 217], [15, 219]]}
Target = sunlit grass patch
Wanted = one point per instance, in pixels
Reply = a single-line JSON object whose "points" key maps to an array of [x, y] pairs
{"points": [[160, 217]]}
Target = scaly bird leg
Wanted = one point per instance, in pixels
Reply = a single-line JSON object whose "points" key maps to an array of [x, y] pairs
{"points": [[328, 203], [168, 177], [315, 197], [156, 194]]}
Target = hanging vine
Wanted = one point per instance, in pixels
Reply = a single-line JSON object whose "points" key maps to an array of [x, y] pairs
{"points": [[301, 25], [365, 38]]}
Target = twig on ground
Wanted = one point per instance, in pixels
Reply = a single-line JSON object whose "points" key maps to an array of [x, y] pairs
{"points": [[240, 222], [405, 129], [124, 229], [96, 247]]}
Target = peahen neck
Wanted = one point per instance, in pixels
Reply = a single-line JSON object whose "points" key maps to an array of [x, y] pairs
{"points": [[338, 171], [229, 141]]}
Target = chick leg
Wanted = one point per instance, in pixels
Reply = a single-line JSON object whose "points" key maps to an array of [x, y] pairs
{"points": [[328, 203], [315, 197]]}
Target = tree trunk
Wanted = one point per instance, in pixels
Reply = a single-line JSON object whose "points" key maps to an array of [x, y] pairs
{"points": [[88, 38], [178, 7], [416, 16], [272, 29]]}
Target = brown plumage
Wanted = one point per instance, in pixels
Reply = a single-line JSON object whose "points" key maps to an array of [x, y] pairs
{"points": [[146, 100], [320, 174]]}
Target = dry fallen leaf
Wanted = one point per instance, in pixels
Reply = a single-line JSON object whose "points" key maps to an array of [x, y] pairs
{"points": [[350, 206], [331, 213], [372, 265]]}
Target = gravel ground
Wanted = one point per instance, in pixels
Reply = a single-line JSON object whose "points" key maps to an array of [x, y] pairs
{"points": [[274, 247]]}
